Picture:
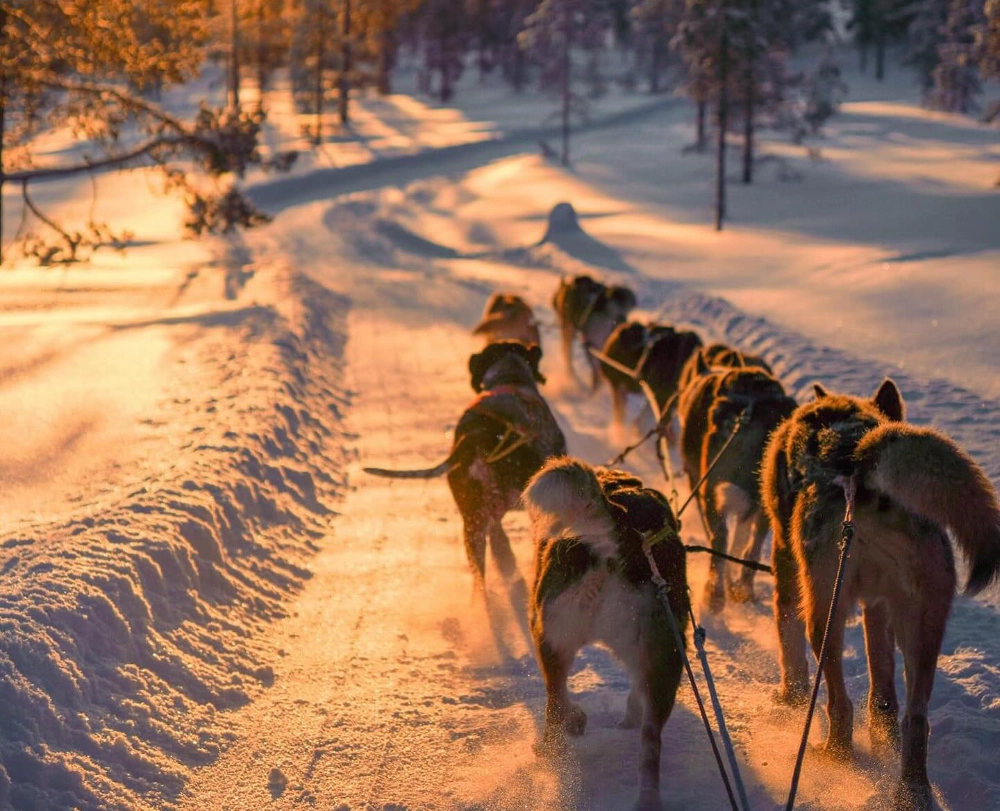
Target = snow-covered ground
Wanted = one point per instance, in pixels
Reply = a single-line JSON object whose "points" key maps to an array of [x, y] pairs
{"points": [[207, 604]]}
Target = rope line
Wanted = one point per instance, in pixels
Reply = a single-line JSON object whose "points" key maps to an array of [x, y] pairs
{"points": [[850, 490], [662, 593]]}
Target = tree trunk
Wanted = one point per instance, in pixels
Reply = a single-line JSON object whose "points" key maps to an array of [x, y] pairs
{"points": [[234, 56], [261, 55], [3, 117], [654, 68], [701, 138], [318, 89], [879, 54], [517, 78], [345, 66], [567, 86], [748, 114], [386, 51], [720, 156], [863, 56]]}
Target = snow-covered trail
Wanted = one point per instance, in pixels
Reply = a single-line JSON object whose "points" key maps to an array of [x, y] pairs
{"points": [[393, 688]]}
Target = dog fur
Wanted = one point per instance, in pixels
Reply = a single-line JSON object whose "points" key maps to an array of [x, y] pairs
{"points": [[507, 317], [505, 376], [657, 353], [709, 411], [718, 356], [593, 584], [914, 485], [591, 310]]}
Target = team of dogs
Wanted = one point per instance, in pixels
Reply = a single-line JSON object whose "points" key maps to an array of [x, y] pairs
{"points": [[784, 470]]}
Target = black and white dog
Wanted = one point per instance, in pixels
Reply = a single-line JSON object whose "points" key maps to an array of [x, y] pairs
{"points": [[593, 584]]}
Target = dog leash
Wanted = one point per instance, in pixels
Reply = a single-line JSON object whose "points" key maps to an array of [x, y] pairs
{"points": [[744, 418], [850, 491], [649, 540]]}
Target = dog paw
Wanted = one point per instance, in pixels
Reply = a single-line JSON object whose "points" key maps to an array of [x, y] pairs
{"points": [[838, 751], [791, 695], [575, 721], [714, 597], [740, 592], [552, 744], [912, 797], [649, 801]]}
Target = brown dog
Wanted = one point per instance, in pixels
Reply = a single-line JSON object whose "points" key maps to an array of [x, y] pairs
{"points": [[914, 486], [655, 352], [746, 404], [507, 317], [593, 584], [501, 440], [591, 310], [718, 356]]}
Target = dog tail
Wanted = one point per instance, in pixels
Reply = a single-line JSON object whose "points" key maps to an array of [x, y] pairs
{"points": [[428, 473], [929, 475], [565, 499]]}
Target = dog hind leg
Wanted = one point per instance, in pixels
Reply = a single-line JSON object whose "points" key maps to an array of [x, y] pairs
{"points": [[794, 687], [839, 708], [660, 683], [561, 714], [715, 595], [920, 631], [883, 706], [741, 589]]}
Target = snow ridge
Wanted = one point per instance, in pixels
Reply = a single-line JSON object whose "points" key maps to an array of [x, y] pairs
{"points": [[125, 631]]}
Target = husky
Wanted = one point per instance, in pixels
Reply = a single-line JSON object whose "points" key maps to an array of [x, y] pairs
{"points": [[718, 356], [655, 352], [591, 310], [507, 317], [914, 486], [593, 584], [752, 403], [503, 437]]}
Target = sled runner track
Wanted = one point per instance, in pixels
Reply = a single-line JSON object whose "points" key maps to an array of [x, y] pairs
{"points": [[972, 420]]}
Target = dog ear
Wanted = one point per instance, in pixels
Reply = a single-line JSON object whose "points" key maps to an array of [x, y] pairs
{"points": [[623, 297], [701, 365], [819, 391], [478, 364], [534, 358], [889, 401]]}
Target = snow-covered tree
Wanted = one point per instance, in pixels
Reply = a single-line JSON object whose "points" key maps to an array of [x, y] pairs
{"points": [[555, 36], [956, 76], [923, 38], [654, 24], [86, 66]]}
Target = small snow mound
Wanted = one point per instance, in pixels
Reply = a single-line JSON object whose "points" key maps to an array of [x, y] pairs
{"points": [[565, 234], [562, 220]]}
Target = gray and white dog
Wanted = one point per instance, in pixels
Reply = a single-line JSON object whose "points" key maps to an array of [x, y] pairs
{"points": [[593, 584]]}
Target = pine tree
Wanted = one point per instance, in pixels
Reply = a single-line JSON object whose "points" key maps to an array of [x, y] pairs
{"points": [[922, 41], [552, 34], [956, 76], [87, 65], [654, 24], [988, 40], [444, 39]]}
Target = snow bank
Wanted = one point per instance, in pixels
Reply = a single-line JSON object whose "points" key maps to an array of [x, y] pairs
{"points": [[123, 633]]}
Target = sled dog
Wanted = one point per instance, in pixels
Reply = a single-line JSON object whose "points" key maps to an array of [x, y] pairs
{"points": [[719, 402], [591, 310], [507, 317], [503, 437], [718, 356], [913, 485], [656, 353], [593, 584]]}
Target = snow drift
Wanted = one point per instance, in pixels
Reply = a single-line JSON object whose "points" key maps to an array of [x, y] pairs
{"points": [[123, 633]]}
